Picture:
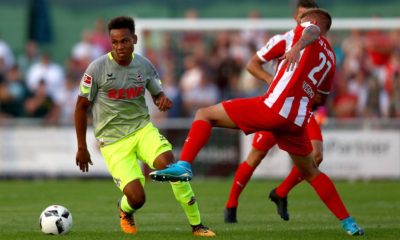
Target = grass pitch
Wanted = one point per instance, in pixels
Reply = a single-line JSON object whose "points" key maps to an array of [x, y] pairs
{"points": [[375, 206]]}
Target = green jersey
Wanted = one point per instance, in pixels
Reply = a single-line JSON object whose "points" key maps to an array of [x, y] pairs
{"points": [[118, 95]]}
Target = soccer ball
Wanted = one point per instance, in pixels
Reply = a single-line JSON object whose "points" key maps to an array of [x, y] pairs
{"points": [[55, 220]]}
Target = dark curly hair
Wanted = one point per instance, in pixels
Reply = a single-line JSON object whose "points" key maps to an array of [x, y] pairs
{"points": [[307, 4], [122, 22]]}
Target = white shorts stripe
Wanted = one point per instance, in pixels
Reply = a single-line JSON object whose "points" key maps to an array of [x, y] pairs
{"points": [[287, 106], [301, 114]]}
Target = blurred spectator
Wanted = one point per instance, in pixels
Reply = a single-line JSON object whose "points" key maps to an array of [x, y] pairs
{"points": [[99, 36], [239, 54], [6, 56], [28, 57], [192, 75], [344, 102], [49, 72], [197, 89], [40, 104], [227, 73], [379, 47], [169, 55], [394, 75], [377, 103], [85, 51], [13, 93], [204, 94], [358, 86], [173, 93], [193, 37], [239, 49], [251, 36], [353, 49], [66, 101]]}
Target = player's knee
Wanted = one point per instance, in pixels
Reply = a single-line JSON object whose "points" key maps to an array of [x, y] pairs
{"points": [[255, 157], [136, 201], [204, 114], [135, 194], [163, 160], [318, 157], [308, 173], [201, 114]]}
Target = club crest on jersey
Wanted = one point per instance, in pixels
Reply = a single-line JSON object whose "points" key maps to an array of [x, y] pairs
{"points": [[87, 80], [138, 77]]}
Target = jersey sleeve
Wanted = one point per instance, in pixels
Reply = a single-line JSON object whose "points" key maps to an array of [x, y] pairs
{"points": [[305, 25], [89, 82], [274, 48], [154, 82], [301, 28]]}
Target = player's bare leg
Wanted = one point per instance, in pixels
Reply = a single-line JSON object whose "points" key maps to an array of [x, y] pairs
{"points": [[133, 199]]}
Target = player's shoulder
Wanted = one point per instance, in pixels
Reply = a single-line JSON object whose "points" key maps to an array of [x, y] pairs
{"points": [[306, 25], [277, 38], [142, 60]]}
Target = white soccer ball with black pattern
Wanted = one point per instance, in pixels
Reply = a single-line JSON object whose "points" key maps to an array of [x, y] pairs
{"points": [[55, 220]]}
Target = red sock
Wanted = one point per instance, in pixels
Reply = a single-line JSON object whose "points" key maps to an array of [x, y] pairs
{"points": [[289, 182], [242, 177], [196, 139], [328, 194]]}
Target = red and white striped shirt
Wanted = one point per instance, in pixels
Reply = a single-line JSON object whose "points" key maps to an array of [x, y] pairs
{"points": [[292, 92]]}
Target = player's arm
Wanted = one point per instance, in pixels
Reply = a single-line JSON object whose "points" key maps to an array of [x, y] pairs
{"points": [[162, 101], [319, 100], [82, 156], [255, 68], [273, 49], [309, 35]]}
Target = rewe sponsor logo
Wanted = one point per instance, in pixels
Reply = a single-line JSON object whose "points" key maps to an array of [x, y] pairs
{"points": [[125, 93]]}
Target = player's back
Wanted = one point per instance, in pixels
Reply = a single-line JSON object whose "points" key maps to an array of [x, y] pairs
{"points": [[292, 92]]}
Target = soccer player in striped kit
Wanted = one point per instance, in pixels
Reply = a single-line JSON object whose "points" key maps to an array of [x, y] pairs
{"points": [[113, 86], [263, 141], [284, 110]]}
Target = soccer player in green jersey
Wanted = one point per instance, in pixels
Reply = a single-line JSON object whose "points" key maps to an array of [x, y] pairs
{"points": [[113, 86]]}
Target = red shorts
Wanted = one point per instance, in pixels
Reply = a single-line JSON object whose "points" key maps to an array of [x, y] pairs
{"points": [[264, 141], [252, 115]]}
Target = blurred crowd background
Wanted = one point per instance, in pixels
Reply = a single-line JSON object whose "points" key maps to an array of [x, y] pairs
{"points": [[46, 45]]}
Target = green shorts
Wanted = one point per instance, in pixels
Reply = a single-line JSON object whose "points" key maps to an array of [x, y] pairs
{"points": [[122, 157]]}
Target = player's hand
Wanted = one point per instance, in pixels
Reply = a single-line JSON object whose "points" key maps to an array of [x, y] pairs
{"points": [[162, 102], [83, 160], [291, 58]]}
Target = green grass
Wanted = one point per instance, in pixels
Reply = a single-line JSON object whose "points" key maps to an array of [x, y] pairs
{"points": [[375, 205]]}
